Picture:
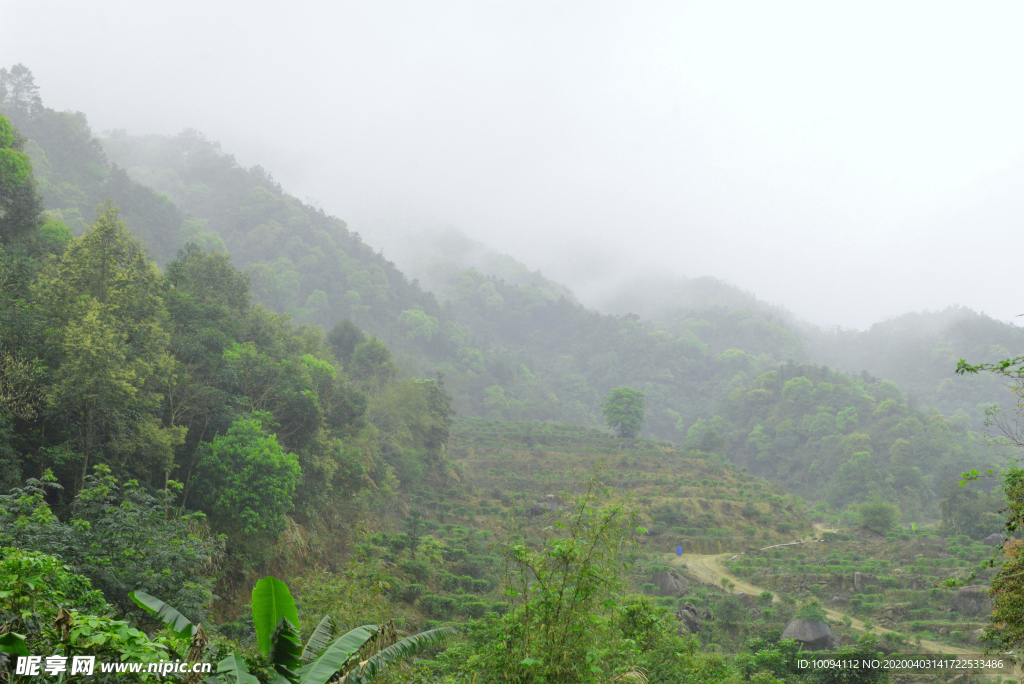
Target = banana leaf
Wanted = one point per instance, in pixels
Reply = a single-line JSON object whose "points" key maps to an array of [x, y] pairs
{"points": [[335, 655], [319, 639], [398, 651], [178, 623], [271, 601]]}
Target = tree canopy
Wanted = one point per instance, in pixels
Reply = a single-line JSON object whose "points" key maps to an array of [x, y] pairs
{"points": [[623, 410]]}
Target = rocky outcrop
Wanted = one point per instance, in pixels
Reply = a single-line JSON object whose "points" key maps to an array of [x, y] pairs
{"points": [[814, 635], [972, 601], [994, 539], [670, 584], [689, 619], [861, 581], [840, 598]]}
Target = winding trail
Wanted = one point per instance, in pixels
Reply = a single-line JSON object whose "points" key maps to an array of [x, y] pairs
{"points": [[710, 568]]}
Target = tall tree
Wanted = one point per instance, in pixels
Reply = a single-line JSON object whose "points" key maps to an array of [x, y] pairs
{"points": [[623, 410], [102, 300], [248, 481], [20, 204], [19, 93]]}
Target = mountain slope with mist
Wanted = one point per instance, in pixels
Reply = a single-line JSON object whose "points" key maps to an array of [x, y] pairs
{"points": [[510, 343], [917, 351]]}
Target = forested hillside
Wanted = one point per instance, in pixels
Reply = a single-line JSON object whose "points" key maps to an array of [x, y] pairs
{"points": [[918, 350], [511, 348], [511, 344], [842, 440]]}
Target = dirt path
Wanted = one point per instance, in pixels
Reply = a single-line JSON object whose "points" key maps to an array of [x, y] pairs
{"points": [[711, 569]]}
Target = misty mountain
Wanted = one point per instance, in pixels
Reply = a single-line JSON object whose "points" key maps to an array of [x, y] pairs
{"points": [[74, 175], [436, 257], [917, 351], [512, 344]]}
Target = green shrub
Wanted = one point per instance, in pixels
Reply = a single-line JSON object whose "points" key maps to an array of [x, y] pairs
{"points": [[878, 516], [409, 592], [811, 611], [474, 609], [36, 588], [247, 480], [439, 607], [121, 537], [418, 569]]}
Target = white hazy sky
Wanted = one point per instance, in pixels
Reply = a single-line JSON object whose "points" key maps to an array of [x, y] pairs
{"points": [[851, 161]]}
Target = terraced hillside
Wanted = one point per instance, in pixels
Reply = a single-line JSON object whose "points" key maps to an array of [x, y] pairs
{"points": [[689, 498], [895, 583], [527, 470]]}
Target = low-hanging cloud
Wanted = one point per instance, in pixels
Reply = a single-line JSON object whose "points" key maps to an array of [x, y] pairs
{"points": [[848, 162]]}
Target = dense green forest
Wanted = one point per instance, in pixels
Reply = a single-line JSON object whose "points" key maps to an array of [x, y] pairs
{"points": [[204, 380]]}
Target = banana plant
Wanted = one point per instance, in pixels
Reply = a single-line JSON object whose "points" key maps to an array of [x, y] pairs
{"points": [[321, 659], [178, 623]]}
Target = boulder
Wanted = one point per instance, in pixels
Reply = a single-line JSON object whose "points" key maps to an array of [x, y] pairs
{"points": [[670, 584], [994, 539], [688, 619], [814, 635], [840, 598], [861, 581], [972, 601]]}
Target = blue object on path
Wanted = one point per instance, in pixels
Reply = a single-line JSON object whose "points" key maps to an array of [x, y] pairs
{"points": [[679, 550]]}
